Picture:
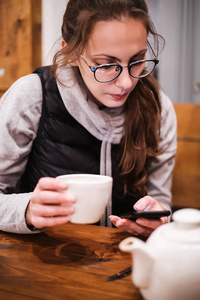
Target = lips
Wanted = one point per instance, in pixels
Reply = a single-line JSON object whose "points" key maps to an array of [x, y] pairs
{"points": [[119, 96]]}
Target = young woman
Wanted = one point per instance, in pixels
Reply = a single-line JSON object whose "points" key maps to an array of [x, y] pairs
{"points": [[97, 110]]}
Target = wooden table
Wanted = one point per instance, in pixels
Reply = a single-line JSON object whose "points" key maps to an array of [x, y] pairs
{"points": [[68, 262]]}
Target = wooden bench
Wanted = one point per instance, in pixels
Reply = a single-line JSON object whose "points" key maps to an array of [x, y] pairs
{"points": [[186, 175]]}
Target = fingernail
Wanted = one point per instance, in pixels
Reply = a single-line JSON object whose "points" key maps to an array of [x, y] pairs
{"points": [[148, 207], [138, 221], [62, 184], [71, 198], [137, 206], [72, 210]]}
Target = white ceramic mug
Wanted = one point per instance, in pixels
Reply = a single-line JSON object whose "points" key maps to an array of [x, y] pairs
{"points": [[91, 192]]}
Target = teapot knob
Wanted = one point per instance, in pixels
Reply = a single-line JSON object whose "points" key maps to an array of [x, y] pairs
{"points": [[187, 217]]}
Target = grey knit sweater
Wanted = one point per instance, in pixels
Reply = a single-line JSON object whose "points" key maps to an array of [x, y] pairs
{"points": [[20, 110]]}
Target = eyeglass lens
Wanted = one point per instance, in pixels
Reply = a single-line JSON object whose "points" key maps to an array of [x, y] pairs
{"points": [[110, 72]]}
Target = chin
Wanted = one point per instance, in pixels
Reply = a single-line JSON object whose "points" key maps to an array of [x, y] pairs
{"points": [[115, 104], [111, 103]]}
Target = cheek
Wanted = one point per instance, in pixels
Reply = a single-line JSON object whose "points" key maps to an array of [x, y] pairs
{"points": [[134, 82], [88, 77], [92, 85], [97, 90]]}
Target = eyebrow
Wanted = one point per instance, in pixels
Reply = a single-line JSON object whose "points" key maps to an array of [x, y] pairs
{"points": [[115, 58]]}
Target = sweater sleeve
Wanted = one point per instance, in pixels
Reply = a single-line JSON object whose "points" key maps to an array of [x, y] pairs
{"points": [[160, 171], [20, 111]]}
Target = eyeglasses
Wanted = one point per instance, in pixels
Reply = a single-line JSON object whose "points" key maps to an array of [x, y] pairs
{"points": [[109, 72]]}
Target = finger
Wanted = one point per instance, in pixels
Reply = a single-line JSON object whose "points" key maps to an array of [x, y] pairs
{"points": [[51, 210], [51, 197], [49, 183], [123, 224], [42, 222], [164, 220], [114, 219], [151, 224], [148, 203], [132, 227]]}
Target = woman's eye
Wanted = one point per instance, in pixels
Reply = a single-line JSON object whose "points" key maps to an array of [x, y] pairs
{"points": [[104, 63], [105, 67], [139, 57], [97, 64]]}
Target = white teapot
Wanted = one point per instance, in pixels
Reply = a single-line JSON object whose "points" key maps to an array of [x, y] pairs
{"points": [[167, 266]]}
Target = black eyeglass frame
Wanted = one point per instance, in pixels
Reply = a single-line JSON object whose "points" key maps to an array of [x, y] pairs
{"points": [[94, 69]]}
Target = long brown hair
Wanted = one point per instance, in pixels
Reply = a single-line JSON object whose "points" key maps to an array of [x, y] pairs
{"points": [[142, 108]]}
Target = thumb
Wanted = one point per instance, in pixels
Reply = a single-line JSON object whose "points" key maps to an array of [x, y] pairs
{"points": [[146, 203]]}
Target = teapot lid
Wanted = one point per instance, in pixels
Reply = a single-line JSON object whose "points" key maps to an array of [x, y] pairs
{"points": [[187, 217], [186, 226]]}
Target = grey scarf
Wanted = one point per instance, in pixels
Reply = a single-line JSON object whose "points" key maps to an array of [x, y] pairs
{"points": [[105, 124]]}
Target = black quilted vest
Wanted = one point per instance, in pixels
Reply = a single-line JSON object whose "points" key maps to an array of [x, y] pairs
{"points": [[64, 146]]}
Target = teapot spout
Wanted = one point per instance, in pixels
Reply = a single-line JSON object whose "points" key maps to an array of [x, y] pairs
{"points": [[143, 260]]}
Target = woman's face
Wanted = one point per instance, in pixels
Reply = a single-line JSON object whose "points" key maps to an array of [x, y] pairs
{"points": [[120, 42]]}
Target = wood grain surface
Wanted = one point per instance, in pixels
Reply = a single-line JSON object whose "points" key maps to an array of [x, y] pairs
{"points": [[65, 262]]}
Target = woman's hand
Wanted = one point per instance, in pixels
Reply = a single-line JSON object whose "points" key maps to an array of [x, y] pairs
{"points": [[45, 207], [141, 226]]}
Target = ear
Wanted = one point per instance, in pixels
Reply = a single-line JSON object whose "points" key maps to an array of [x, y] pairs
{"points": [[74, 62], [63, 44]]}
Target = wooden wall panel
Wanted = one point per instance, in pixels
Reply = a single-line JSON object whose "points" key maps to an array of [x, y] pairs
{"points": [[20, 39], [186, 176]]}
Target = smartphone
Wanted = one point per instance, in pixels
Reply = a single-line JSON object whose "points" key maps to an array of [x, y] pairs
{"points": [[135, 214]]}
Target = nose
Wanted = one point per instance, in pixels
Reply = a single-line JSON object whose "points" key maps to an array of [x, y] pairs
{"points": [[124, 80]]}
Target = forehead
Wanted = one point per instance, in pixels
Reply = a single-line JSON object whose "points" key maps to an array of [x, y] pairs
{"points": [[116, 38]]}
